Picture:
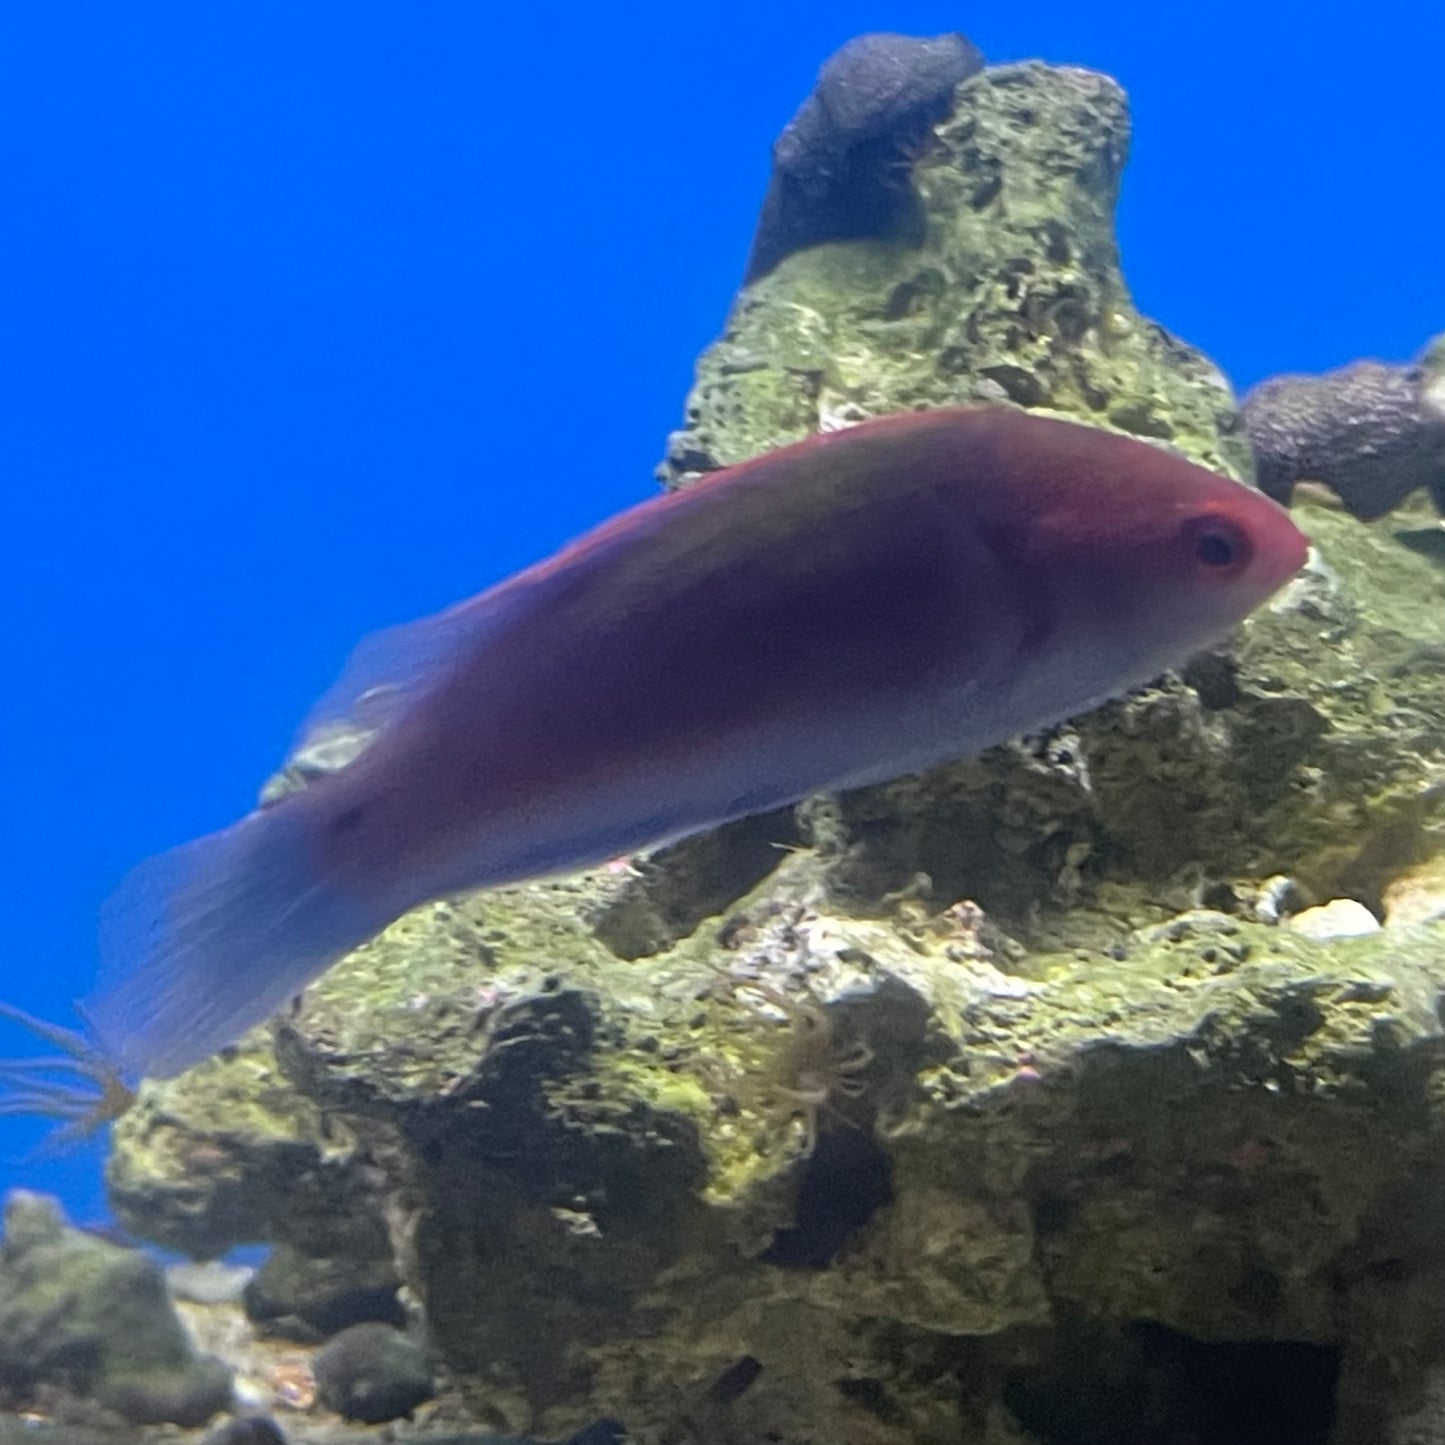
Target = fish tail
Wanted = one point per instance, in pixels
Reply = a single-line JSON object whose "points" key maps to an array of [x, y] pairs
{"points": [[202, 943]]}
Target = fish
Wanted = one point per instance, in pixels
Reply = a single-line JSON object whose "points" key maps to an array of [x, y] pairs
{"points": [[869, 602]]}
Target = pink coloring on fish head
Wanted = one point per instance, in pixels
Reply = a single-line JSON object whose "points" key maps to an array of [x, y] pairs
{"points": [[1117, 538]]}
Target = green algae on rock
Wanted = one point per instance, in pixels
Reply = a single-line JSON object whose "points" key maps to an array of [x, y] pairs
{"points": [[1081, 1145], [1014, 293], [1088, 1122], [239, 1156], [84, 1316]]}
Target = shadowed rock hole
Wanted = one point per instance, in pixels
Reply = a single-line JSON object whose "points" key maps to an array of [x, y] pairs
{"points": [[1052, 1213], [870, 1395], [1167, 1388], [1260, 1292], [1214, 676], [1221, 898], [846, 1180], [1427, 541], [680, 887]]}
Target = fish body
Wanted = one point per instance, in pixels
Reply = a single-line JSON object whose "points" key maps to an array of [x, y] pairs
{"points": [[860, 605]]}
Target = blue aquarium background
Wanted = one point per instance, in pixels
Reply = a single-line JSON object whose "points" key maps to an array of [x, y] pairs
{"points": [[316, 318]]}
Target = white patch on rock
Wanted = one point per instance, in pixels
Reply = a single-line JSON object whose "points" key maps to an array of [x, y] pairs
{"points": [[1339, 918]]}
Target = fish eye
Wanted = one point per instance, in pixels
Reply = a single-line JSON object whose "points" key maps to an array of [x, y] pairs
{"points": [[1218, 544]]}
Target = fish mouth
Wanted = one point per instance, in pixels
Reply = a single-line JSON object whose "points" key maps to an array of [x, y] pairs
{"points": [[1286, 549]]}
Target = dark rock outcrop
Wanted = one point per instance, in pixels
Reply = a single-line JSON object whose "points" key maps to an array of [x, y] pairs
{"points": [[93, 1319], [1371, 432], [841, 165], [373, 1373]]}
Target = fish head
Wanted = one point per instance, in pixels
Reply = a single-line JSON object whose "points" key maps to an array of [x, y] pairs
{"points": [[1133, 558], [1190, 570]]}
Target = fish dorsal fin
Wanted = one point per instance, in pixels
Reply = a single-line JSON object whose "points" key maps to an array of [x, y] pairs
{"points": [[389, 670]]}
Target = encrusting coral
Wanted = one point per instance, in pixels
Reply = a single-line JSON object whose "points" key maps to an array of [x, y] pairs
{"points": [[1371, 432]]}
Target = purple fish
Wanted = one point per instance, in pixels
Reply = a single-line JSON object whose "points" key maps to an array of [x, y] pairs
{"points": [[863, 604]]}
